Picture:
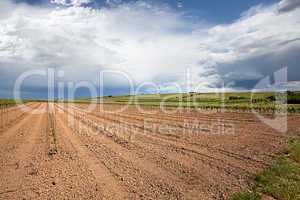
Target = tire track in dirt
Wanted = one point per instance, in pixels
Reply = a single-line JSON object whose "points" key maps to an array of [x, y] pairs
{"points": [[215, 150], [166, 119], [244, 130], [73, 178], [197, 179], [61, 175], [155, 139], [161, 183], [15, 168], [157, 120], [181, 146], [14, 135], [194, 179], [175, 152], [14, 123], [110, 186]]}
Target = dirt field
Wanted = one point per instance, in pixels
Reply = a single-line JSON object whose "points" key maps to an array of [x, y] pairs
{"points": [[132, 154]]}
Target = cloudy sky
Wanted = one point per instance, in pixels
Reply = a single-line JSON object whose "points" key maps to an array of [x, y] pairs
{"points": [[214, 43]]}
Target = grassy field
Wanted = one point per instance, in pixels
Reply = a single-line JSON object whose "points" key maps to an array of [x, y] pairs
{"points": [[7, 102], [281, 180], [260, 101], [11, 102], [263, 101]]}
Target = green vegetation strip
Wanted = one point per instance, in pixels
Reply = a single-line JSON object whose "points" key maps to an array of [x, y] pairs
{"points": [[10, 102], [7, 102], [280, 181], [243, 101]]}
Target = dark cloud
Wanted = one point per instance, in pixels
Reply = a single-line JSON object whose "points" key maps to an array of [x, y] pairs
{"points": [[151, 44], [288, 5], [247, 73]]}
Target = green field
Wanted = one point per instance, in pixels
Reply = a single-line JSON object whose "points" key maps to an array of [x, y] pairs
{"points": [[281, 180], [5, 102], [260, 101], [263, 101]]}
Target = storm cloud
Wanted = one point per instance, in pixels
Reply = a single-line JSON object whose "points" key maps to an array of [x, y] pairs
{"points": [[288, 5], [151, 43]]}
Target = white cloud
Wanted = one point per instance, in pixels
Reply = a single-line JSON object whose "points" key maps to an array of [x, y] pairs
{"points": [[151, 43], [257, 34], [71, 2]]}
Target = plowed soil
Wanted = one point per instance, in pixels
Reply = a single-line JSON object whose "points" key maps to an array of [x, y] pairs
{"points": [[132, 154]]}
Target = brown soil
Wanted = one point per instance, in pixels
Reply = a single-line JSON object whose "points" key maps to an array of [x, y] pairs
{"points": [[103, 155]]}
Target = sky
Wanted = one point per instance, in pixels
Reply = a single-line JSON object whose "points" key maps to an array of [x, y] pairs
{"points": [[154, 45]]}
